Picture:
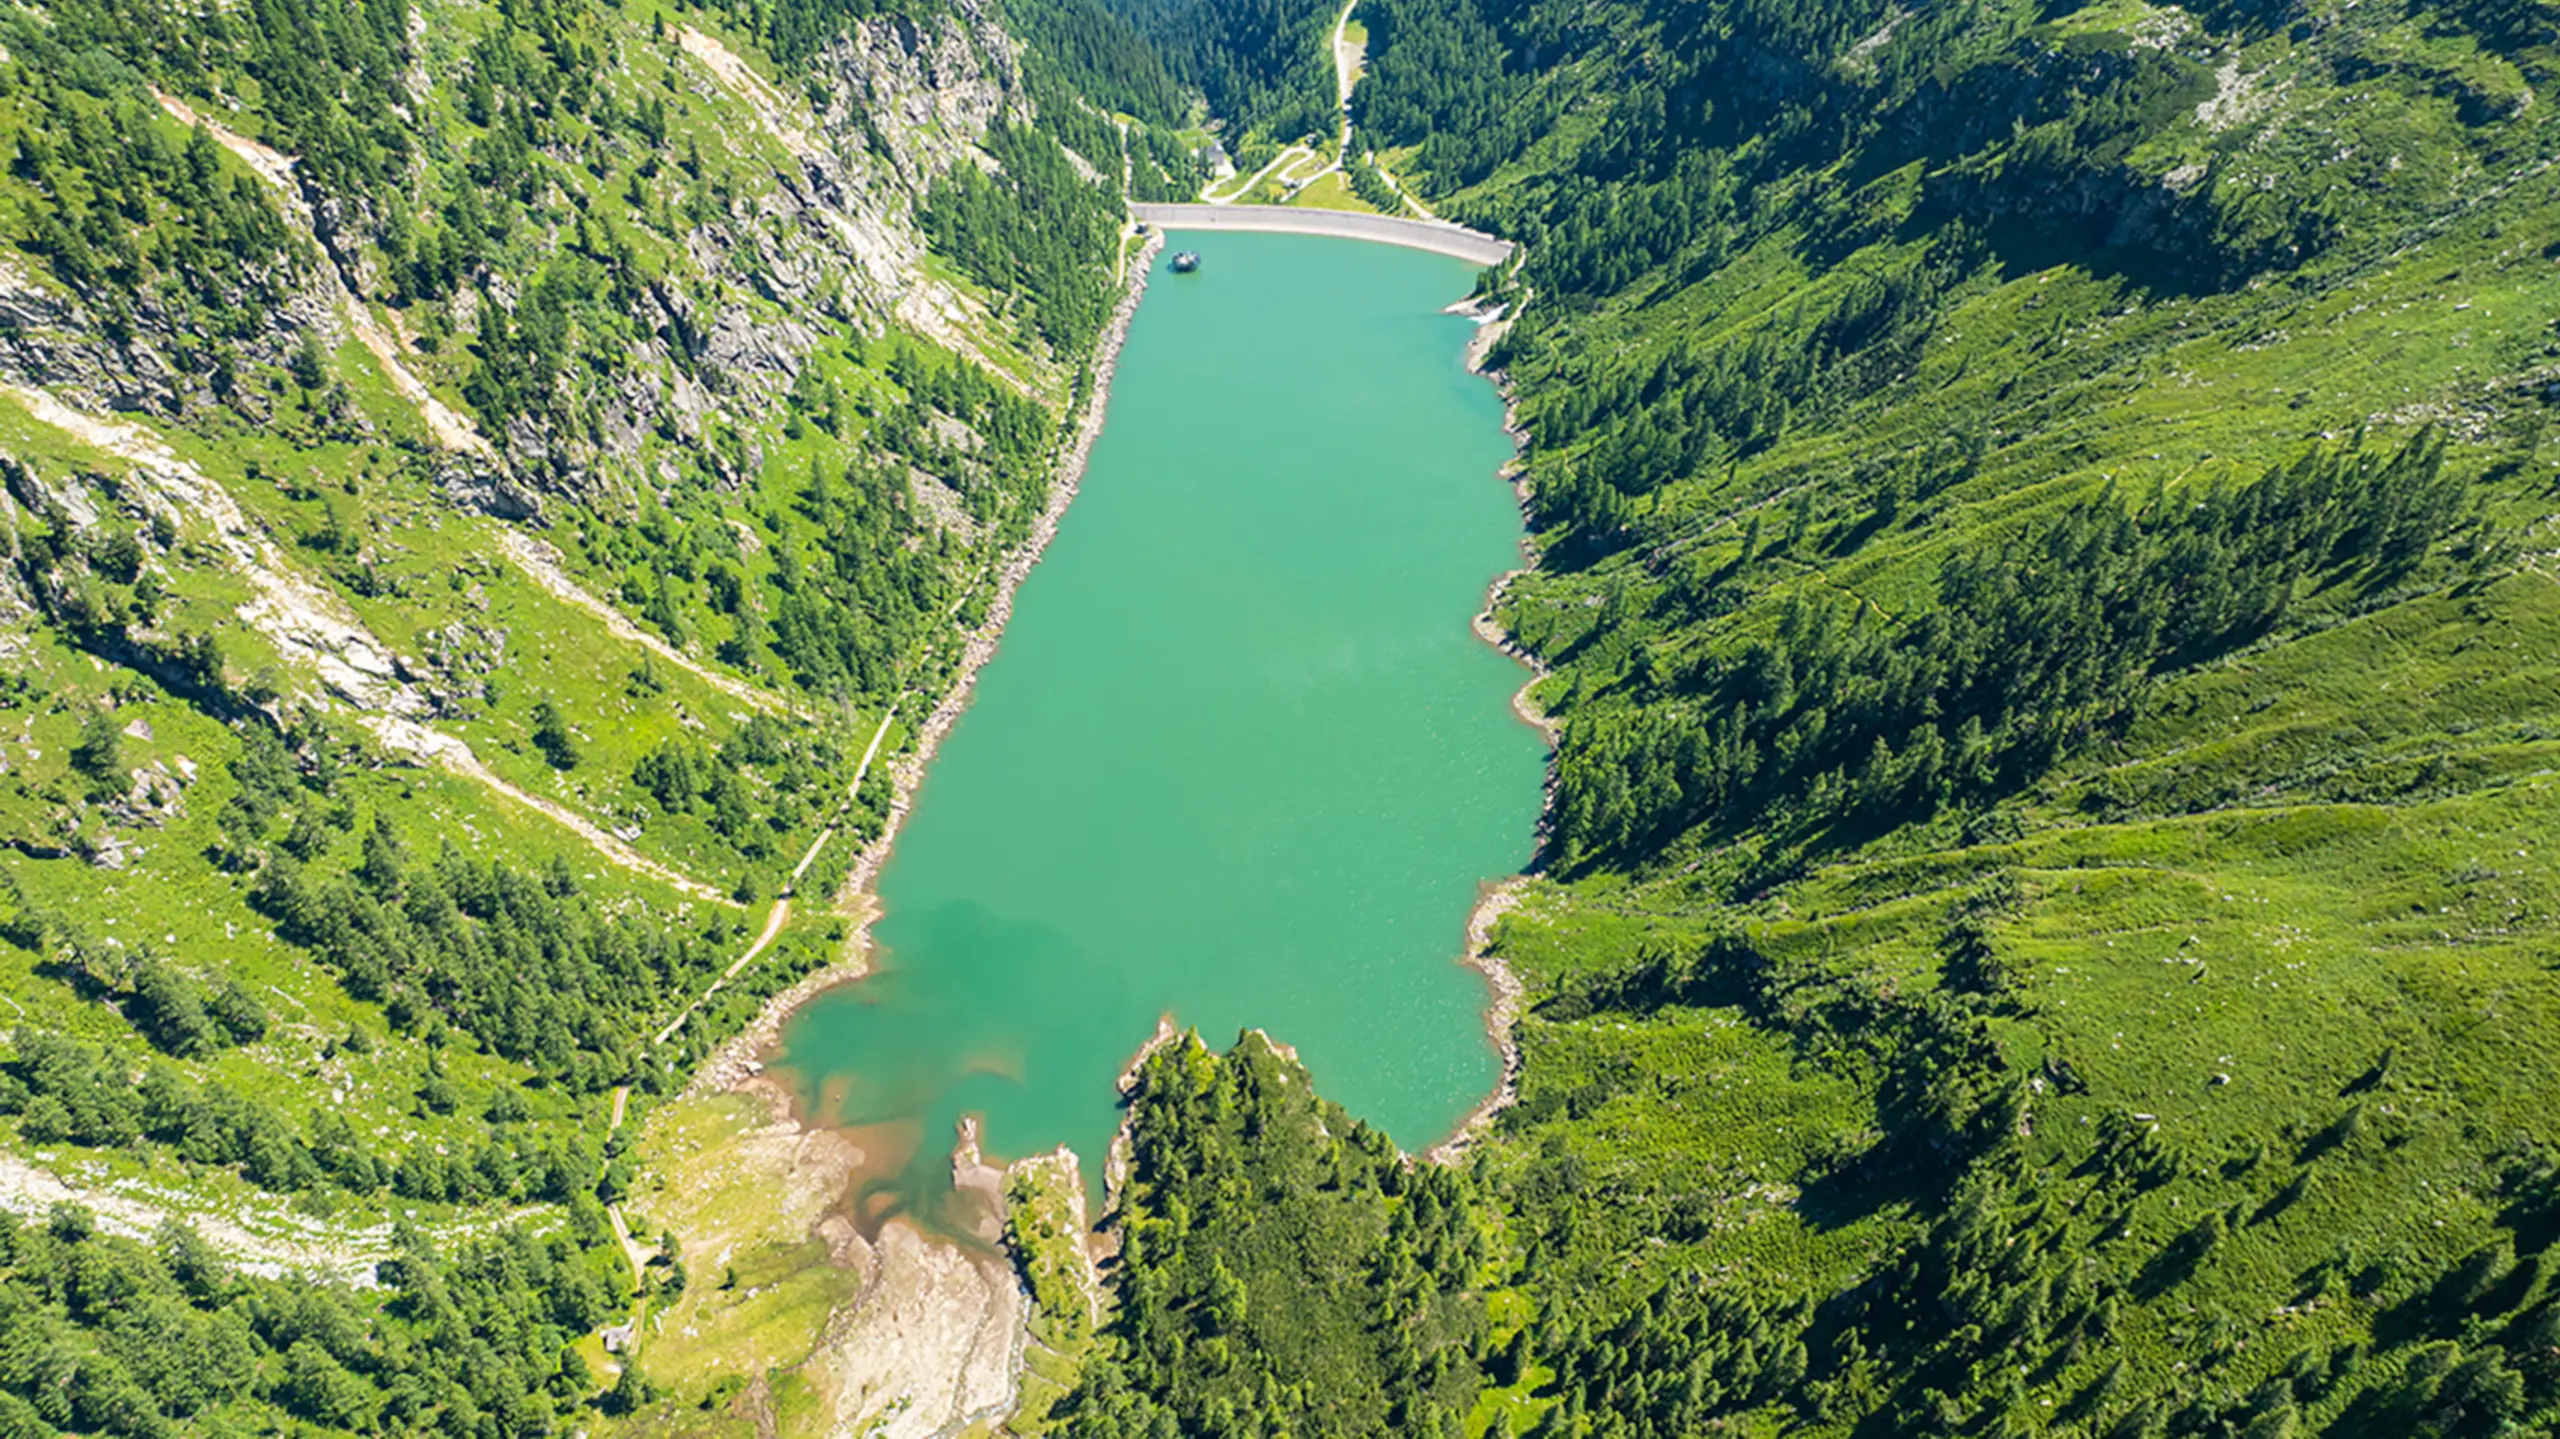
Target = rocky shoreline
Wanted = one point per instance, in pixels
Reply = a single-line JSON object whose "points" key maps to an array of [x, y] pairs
{"points": [[1502, 1011], [743, 1055], [1115, 1162], [1500, 1014]]}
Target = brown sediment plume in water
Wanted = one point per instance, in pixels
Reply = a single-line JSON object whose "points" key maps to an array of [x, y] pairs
{"points": [[885, 1184]]}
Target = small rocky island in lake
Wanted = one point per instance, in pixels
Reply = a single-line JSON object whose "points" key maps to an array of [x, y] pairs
{"points": [[1185, 261]]}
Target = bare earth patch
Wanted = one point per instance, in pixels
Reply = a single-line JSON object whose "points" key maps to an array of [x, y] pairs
{"points": [[934, 1345], [269, 1242], [905, 1336]]}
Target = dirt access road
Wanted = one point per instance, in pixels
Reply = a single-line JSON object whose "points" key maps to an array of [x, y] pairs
{"points": [[780, 914]]}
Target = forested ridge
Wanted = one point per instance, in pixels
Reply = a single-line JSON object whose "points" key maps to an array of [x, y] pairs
{"points": [[1261, 65], [2043, 925], [477, 481]]}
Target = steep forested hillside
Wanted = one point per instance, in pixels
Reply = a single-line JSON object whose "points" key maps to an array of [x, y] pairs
{"points": [[1262, 65], [480, 483], [2046, 920]]}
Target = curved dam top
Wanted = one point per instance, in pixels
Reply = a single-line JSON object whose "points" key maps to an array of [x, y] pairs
{"points": [[1438, 236]]}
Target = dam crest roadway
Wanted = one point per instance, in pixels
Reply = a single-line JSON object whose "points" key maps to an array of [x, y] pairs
{"points": [[1438, 236]]}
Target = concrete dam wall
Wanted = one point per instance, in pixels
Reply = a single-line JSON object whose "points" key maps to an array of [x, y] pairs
{"points": [[1439, 236]]}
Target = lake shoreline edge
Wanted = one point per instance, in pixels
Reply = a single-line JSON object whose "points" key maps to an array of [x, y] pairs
{"points": [[743, 1056], [1500, 897]]}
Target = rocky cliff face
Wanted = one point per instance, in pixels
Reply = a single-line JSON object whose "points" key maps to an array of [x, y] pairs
{"points": [[147, 355], [790, 221], [832, 236], [928, 90]]}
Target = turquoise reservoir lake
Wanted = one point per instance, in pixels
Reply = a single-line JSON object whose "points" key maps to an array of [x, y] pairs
{"points": [[1239, 759]]}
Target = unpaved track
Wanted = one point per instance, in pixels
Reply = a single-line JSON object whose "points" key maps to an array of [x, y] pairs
{"points": [[774, 919], [1290, 156], [1346, 74], [314, 629], [1349, 62], [1414, 202], [636, 1256], [450, 430], [780, 914], [541, 564], [1346, 60], [410, 737]]}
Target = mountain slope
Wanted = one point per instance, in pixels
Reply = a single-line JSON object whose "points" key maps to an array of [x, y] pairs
{"points": [[481, 483], [2044, 921], [2043, 530]]}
